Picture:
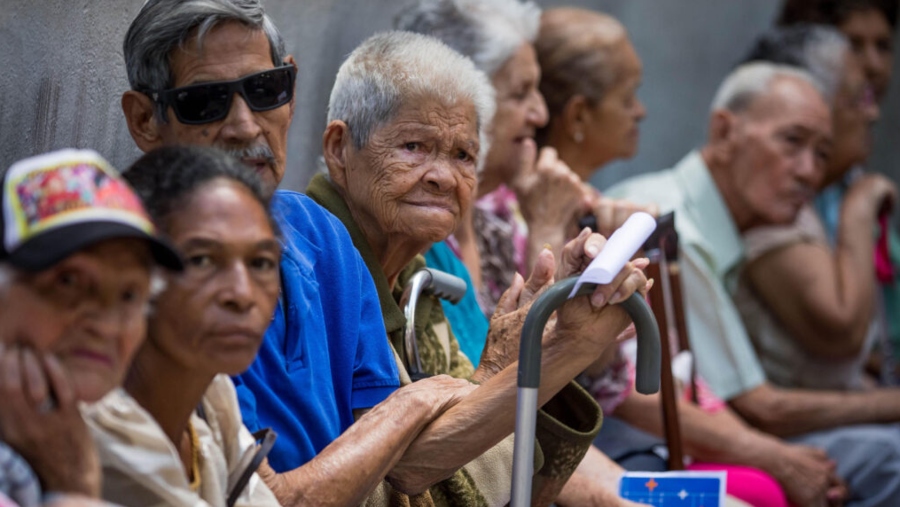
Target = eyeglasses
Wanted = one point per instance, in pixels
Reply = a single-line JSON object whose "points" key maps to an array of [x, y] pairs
{"points": [[209, 102]]}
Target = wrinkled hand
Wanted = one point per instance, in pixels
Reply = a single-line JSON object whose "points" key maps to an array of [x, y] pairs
{"points": [[502, 346], [612, 213], [552, 197], [594, 320], [808, 477], [435, 394], [41, 421], [438, 393]]}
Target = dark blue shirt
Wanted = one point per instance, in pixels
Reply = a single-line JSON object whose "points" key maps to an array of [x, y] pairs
{"points": [[326, 352]]}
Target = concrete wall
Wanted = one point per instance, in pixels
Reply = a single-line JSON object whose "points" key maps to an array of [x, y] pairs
{"points": [[61, 72]]}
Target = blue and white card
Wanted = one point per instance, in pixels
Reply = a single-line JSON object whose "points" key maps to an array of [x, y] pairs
{"points": [[675, 489]]}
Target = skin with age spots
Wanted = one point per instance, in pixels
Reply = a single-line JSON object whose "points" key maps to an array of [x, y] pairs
{"points": [[408, 186], [229, 51]]}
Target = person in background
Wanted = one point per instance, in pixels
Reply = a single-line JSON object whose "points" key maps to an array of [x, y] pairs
{"points": [[767, 147], [496, 240], [869, 25], [809, 307], [590, 77], [77, 267]]}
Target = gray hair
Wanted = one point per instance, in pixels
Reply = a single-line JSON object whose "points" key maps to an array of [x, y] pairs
{"points": [[487, 31], [391, 68], [751, 80], [817, 49], [165, 25]]}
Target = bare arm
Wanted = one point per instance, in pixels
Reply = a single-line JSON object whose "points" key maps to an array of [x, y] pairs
{"points": [[825, 298], [787, 412], [487, 415], [350, 468]]}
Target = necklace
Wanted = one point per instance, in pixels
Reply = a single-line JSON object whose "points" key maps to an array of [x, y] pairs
{"points": [[195, 457]]}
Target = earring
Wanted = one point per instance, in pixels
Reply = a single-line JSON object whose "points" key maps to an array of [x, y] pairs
{"points": [[579, 137]]}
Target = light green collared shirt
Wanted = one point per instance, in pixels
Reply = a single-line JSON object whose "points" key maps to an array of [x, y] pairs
{"points": [[711, 253]]}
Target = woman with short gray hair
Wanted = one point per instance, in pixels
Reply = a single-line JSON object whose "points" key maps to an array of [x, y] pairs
{"points": [[402, 147]]}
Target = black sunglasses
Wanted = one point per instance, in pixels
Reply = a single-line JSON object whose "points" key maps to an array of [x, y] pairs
{"points": [[209, 102]]}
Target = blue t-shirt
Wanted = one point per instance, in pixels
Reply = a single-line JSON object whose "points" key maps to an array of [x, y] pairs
{"points": [[469, 324], [326, 352]]}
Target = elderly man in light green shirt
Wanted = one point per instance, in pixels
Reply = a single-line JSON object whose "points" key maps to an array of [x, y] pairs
{"points": [[769, 136]]}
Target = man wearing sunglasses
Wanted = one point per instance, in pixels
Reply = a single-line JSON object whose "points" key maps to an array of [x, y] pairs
{"points": [[215, 73]]}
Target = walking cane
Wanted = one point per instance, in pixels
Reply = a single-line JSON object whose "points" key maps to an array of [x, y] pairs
{"points": [[529, 378], [429, 282]]}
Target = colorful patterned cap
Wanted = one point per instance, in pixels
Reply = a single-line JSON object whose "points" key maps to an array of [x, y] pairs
{"points": [[58, 203]]}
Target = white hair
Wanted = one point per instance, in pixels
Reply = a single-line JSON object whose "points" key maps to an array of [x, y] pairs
{"points": [[749, 81], [392, 68], [487, 31]]}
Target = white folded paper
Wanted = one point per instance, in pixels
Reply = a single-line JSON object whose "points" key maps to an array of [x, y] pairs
{"points": [[619, 248]]}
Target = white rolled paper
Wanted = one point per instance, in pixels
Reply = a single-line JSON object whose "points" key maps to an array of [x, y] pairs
{"points": [[619, 248]]}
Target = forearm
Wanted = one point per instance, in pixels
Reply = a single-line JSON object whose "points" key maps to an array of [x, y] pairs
{"points": [[350, 468], [854, 255], [485, 417], [787, 412]]}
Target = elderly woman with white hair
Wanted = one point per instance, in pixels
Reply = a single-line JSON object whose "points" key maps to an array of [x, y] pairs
{"points": [[403, 141]]}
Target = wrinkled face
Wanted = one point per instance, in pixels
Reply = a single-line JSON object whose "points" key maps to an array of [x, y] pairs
{"points": [[212, 317], [521, 110], [416, 174], [612, 123], [854, 113], [231, 51], [88, 309], [872, 41], [780, 145]]}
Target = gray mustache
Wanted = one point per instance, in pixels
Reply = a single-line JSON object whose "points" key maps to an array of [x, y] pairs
{"points": [[258, 151]]}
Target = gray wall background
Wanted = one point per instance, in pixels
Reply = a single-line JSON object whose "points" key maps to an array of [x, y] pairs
{"points": [[61, 72]]}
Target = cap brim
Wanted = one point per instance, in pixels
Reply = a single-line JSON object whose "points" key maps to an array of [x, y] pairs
{"points": [[48, 248]]}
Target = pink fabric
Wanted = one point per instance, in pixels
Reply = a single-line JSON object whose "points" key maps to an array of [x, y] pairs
{"points": [[751, 485], [884, 270], [6, 502]]}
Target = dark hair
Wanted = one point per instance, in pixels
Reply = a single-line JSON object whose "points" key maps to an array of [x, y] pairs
{"points": [[165, 177], [817, 49], [834, 12]]}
